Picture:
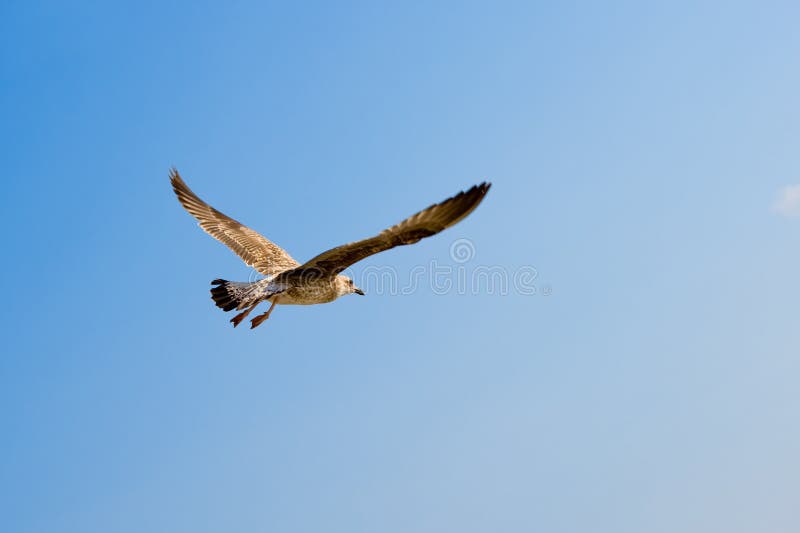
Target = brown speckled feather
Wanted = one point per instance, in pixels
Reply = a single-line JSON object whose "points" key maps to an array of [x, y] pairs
{"points": [[427, 222], [255, 249]]}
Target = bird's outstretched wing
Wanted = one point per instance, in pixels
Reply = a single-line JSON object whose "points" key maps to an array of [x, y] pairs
{"points": [[255, 249], [427, 222]]}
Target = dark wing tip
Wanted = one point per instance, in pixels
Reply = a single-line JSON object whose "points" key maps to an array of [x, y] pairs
{"points": [[467, 201], [186, 196], [476, 193], [178, 185], [458, 207]]}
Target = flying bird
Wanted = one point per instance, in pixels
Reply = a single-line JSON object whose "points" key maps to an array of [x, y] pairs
{"points": [[318, 280]]}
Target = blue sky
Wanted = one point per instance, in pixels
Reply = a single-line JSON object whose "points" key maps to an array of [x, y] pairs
{"points": [[643, 159]]}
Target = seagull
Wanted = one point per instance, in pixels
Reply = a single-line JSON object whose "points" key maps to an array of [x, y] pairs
{"points": [[318, 280]]}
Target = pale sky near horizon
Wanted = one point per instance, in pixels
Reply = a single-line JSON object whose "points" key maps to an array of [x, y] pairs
{"points": [[645, 170]]}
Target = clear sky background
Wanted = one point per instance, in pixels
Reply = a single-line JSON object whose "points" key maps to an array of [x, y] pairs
{"points": [[638, 154]]}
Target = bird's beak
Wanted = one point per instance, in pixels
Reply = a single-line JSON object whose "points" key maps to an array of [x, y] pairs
{"points": [[359, 292]]}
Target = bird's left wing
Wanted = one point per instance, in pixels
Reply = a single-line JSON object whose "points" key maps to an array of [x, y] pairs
{"points": [[427, 222], [255, 249]]}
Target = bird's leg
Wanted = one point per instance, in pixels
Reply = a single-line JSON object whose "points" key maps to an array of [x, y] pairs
{"points": [[238, 318], [261, 318]]}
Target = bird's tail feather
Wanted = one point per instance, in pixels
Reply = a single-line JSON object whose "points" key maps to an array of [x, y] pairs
{"points": [[230, 295]]}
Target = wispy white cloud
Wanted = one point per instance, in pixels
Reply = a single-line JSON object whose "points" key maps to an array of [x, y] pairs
{"points": [[788, 201]]}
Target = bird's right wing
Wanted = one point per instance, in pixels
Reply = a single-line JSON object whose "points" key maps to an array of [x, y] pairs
{"points": [[255, 249], [427, 222]]}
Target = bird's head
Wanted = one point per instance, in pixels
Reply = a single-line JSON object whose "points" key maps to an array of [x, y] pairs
{"points": [[346, 286]]}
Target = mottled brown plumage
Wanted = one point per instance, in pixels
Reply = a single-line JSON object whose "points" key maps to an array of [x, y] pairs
{"points": [[319, 279], [427, 222], [255, 249]]}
